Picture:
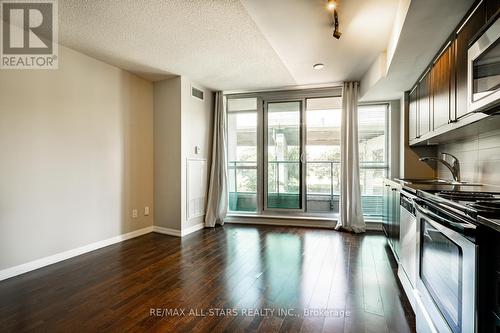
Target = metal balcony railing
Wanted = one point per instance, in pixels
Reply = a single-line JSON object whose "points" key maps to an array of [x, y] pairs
{"points": [[372, 204]]}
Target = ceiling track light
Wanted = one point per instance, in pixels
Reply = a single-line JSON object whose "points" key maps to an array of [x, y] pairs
{"points": [[332, 7], [336, 32]]}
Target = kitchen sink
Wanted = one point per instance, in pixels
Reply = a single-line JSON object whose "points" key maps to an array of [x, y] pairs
{"points": [[435, 182]]}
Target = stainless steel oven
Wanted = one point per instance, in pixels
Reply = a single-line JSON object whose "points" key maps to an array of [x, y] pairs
{"points": [[446, 277], [484, 71]]}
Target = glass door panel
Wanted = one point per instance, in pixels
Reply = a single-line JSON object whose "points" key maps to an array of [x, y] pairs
{"points": [[323, 117], [283, 153], [242, 152]]}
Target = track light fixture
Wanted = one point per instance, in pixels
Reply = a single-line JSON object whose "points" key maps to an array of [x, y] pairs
{"points": [[332, 7], [336, 32]]}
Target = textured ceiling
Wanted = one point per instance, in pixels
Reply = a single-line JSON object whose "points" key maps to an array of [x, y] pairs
{"points": [[258, 44], [228, 44], [215, 43]]}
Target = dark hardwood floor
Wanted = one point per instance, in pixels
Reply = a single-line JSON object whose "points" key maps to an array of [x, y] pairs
{"points": [[137, 285]]}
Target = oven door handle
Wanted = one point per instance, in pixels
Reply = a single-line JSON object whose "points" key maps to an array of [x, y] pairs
{"points": [[438, 218]]}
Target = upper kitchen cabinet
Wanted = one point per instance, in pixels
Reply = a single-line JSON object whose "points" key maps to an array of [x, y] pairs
{"points": [[464, 35], [413, 114], [442, 87], [420, 108], [424, 105], [439, 101]]}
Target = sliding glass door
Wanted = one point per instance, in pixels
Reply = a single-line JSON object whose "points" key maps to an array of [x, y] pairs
{"points": [[284, 153], [283, 165], [302, 155]]}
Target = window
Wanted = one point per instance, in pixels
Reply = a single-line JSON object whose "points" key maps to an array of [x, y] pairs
{"points": [[374, 166], [242, 154], [323, 117], [284, 154]]}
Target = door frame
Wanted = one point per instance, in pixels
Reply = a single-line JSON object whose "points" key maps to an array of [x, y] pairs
{"points": [[271, 95], [301, 162]]}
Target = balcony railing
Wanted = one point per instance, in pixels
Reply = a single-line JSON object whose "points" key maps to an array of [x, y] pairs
{"points": [[322, 196]]}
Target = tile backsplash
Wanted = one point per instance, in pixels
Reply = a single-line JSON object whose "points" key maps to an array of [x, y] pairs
{"points": [[479, 156]]}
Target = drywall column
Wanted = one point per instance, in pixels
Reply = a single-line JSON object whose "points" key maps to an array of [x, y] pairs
{"points": [[196, 139], [167, 154], [182, 131]]}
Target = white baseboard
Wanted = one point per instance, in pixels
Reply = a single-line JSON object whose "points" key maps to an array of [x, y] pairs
{"points": [[167, 231], [294, 222], [192, 229], [178, 233], [281, 222], [39, 263]]}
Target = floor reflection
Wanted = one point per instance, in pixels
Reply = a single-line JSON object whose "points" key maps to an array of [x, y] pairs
{"points": [[283, 264], [347, 283], [315, 269]]}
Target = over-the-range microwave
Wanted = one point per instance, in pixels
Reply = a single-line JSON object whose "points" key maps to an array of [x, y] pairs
{"points": [[483, 82]]}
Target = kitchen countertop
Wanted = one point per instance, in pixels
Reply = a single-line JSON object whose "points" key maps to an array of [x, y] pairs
{"points": [[414, 188], [433, 188]]}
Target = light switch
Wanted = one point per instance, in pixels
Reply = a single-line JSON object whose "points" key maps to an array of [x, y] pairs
{"points": [[146, 211], [134, 213]]}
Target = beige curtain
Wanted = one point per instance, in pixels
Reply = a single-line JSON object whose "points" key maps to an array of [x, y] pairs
{"points": [[218, 196], [351, 214]]}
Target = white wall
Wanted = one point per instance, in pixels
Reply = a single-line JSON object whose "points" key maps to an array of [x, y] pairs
{"points": [[76, 149], [197, 119], [181, 123]]}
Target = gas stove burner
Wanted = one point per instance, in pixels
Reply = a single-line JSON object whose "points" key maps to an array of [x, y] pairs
{"points": [[466, 196], [490, 206]]}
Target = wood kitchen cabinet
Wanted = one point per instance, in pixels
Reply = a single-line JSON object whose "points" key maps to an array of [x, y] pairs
{"points": [[492, 7], [442, 86], [424, 105], [463, 37], [438, 102], [413, 114]]}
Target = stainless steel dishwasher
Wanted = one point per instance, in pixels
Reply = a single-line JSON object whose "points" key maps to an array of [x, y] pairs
{"points": [[407, 270]]}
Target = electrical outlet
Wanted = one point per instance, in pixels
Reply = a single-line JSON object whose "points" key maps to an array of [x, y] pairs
{"points": [[146, 211], [134, 213]]}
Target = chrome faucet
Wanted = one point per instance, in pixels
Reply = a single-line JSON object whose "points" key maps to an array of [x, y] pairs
{"points": [[454, 168]]}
